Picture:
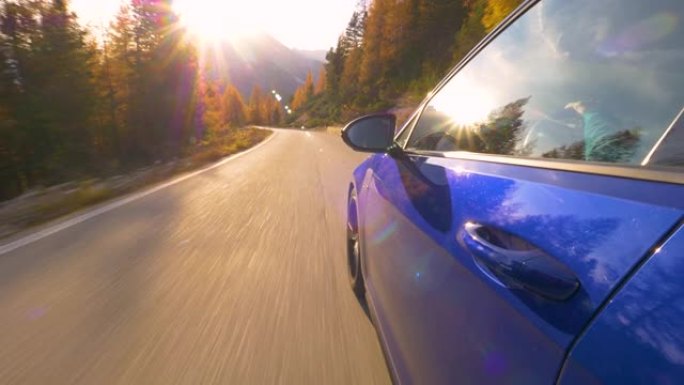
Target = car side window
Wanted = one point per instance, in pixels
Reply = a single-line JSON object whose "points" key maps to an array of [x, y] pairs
{"points": [[594, 81], [669, 152], [405, 130]]}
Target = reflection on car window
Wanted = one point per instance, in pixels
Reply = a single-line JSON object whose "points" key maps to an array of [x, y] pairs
{"points": [[404, 132], [583, 80]]}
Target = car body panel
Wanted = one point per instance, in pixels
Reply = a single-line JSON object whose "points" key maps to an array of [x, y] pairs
{"points": [[639, 337], [444, 319]]}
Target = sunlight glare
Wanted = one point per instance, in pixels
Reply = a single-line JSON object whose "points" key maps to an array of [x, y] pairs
{"points": [[465, 103], [217, 20]]}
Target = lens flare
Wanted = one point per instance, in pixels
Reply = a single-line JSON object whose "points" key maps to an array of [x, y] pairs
{"points": [[646, 32], [385, 233]]}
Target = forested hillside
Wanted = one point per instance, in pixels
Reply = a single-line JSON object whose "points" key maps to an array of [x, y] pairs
{"points": [[77, 104], [394, 51]]}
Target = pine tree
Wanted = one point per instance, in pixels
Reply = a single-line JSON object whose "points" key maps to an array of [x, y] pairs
{"points": [[472, 30], [213, 111], [235, 110], [117, 58], [22, 142], [321, 82], [164, 66], [371, 66], [351, 74], [440, 21], [276, 117], [309, 87], [64, 95], [70, 107], [353, 34], [304, 93], [267, 106], [334, 68], [254, 109]]}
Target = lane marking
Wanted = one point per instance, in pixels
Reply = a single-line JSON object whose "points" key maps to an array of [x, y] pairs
{"points": [[37, 236]]}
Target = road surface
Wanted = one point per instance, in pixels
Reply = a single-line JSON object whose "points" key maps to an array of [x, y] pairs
{"points": [[234, 276]]}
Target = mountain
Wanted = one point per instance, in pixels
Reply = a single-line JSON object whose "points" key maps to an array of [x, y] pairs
{"points": [[316, 54], [259, 59]]}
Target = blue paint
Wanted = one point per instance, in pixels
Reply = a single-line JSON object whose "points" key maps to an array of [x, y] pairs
{"points": [[562, 274], [639, 337], [438, 305]]}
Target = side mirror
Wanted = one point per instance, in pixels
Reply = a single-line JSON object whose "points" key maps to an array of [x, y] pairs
{"points": [[372, 133]]}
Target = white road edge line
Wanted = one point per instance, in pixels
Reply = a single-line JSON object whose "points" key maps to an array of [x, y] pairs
{"points": [[31, 238]]}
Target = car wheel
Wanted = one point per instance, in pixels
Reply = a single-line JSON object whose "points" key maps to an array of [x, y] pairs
{"points": [[354, 247]]}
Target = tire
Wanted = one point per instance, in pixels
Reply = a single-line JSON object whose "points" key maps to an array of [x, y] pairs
{"points": [[354, 247]]}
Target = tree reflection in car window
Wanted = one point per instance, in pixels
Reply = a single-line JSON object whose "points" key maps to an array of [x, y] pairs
{"points": [[582, 80], [500, 133]]}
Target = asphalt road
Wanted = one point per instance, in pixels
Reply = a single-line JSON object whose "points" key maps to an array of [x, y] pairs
{"points": [[233, 276]]}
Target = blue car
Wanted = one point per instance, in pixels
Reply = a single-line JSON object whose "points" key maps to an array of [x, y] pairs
{"points": [[525, 225]]}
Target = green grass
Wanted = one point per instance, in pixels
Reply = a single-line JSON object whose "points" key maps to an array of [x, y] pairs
{"points": [[227, 144]]}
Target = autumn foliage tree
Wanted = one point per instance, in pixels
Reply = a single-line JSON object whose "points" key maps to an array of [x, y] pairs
{"points": [[221, 109], [234, 106], [399, 49], [497, 10], [73, 106], [304, 93], [255, 111]]}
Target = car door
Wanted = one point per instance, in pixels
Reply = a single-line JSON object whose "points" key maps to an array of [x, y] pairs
{"points": [[526, 193], [639, 337]]}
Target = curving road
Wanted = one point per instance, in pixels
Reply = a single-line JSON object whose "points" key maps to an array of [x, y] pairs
{"points": [[232, 276]]}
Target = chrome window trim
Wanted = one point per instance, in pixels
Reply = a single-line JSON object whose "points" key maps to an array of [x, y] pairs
{"points": [[410, 123], [663, 174]]}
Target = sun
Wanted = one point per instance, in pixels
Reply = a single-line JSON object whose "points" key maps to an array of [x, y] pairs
{"points": [[217, 20]]}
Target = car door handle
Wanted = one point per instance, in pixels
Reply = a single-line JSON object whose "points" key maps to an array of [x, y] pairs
{"points": [[516, 264]]}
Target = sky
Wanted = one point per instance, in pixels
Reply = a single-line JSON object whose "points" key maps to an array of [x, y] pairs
{"points": [[301, 24]]}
